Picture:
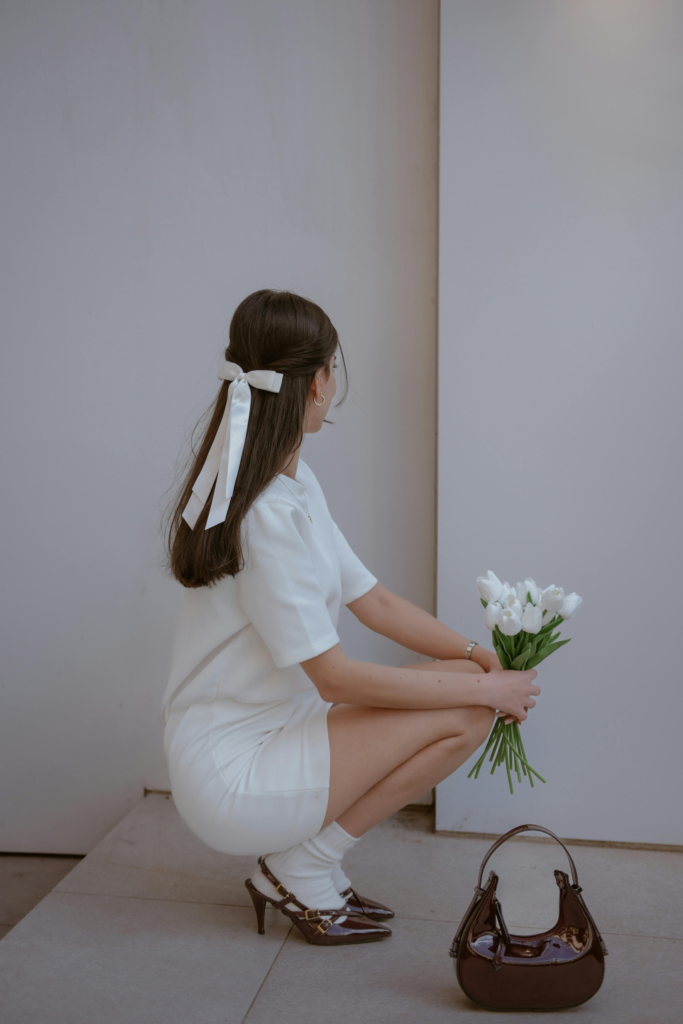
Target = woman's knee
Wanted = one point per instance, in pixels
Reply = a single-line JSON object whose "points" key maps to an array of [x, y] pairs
{"points": [[474, 723], [482, 719]]}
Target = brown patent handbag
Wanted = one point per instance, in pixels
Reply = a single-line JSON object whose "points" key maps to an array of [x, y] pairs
{"points": [[559, 968]]}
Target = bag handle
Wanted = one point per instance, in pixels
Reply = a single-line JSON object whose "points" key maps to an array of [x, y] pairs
{"points": [[528, 828]]}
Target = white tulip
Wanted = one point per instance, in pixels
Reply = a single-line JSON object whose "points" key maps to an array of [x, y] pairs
{"points": [[521, 593], [552, 599], [492, 615], [531, 588], [513, 604], [532, 619], [571, 605], [490, 587], [505, 593], [510, 624]]}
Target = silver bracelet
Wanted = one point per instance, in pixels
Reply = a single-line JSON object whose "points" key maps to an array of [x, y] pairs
{"points": [[470, 647]]}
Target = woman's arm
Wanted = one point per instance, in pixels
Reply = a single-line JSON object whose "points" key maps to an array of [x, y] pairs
{"points": [[340, 680], [410, 626]]}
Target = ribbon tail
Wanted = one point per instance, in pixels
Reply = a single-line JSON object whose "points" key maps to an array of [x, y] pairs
{"points": [[204, 482], [231, 455], [193, 510], [239, 421]]}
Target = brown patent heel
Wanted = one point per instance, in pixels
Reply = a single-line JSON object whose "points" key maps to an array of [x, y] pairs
{"points": [[259, 901], [319, 927]]}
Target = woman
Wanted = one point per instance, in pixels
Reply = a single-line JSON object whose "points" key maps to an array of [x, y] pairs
{"points": [[278, 744]]}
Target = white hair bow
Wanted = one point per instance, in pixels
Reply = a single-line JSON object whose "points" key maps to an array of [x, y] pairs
{"points": [[225, 455]]}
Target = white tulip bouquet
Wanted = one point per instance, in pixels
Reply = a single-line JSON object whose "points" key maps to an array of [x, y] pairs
{"points": [[523, 621]]}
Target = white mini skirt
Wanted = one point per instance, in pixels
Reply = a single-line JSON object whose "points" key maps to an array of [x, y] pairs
{"points": [[251, 778]]}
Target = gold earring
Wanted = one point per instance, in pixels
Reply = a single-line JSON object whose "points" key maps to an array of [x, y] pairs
{"points": [[319, 403]]}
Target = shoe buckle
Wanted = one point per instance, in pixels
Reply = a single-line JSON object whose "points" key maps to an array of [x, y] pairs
{"points": [[311, 915], [324, 925], [282, 891]]}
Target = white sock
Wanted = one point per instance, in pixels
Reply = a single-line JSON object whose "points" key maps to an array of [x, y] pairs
{"points": [[340, 881], [306, 869]]}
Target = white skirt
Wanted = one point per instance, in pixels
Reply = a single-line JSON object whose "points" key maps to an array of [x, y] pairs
{"points": [[251, 778]]}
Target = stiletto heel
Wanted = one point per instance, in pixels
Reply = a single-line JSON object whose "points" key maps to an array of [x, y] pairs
{"points": [[319, 927], [259, 901]]}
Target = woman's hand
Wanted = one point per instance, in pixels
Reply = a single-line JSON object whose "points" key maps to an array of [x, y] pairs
{"points": [[486, 659], [512, 692]]}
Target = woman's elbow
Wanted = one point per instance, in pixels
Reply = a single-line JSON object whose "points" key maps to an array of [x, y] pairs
{"points": [[329, 692], [330, 686], [327, 674]]}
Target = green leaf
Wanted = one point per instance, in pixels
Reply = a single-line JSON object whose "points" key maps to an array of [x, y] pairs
{"points": [[502, 656], [549, 626], [547, 638], [542, 655], [521, 658], [485, 603], [506, 642]]}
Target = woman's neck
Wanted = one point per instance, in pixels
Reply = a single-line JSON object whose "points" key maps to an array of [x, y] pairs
{"points": [[292, 466]]}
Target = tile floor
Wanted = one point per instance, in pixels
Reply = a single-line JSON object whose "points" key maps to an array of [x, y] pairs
{"points": [[154, 927]]}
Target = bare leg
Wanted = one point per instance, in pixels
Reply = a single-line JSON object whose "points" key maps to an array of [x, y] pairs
{"points": [[383, 757]]}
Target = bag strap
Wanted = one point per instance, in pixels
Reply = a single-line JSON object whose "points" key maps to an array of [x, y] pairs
{"points": [[527, 828]]}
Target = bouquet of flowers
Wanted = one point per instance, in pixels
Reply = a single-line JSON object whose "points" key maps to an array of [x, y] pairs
{"points": [[524, 622]]}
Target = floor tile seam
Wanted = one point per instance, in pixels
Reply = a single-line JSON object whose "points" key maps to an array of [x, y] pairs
{"points": [[267, 975]]}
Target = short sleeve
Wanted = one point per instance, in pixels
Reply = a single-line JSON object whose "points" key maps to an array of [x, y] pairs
{"points": [[279, 590], [356, 580]]}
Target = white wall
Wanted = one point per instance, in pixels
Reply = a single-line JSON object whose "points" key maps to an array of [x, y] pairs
{"points": [[161, 161], [560, 424]]}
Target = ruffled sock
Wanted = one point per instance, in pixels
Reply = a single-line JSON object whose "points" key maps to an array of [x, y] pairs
{"points": [[340, 880], [307, 869]]}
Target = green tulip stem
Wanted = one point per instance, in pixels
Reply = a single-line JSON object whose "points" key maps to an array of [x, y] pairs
{"points": [[495, 732], [477, 768], [496, 747], [498, 752], [524, 761], [517, 767], [512, 746], [522, 751], [507, 768]]}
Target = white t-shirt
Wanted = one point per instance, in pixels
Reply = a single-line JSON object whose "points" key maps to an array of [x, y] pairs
{"points": [[244, 637]]}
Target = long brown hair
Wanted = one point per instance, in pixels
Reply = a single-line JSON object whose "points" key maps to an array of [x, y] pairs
{"points": [[270, 330]]}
